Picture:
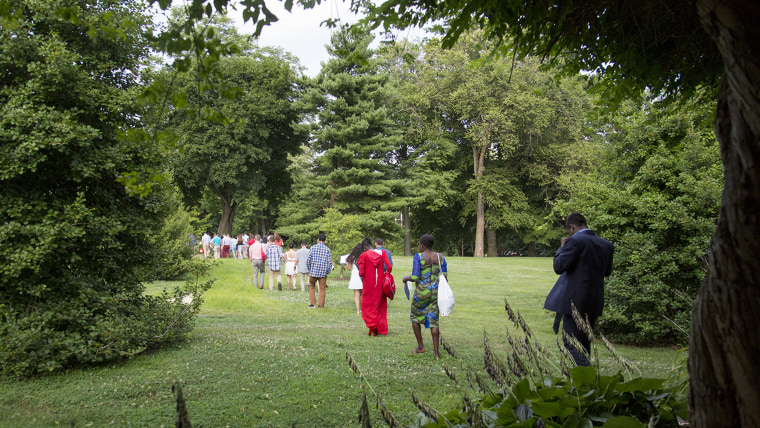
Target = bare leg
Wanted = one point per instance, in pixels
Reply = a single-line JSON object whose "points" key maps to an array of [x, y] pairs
{"points": [[418, 335], [358, 300], [435, 332]]}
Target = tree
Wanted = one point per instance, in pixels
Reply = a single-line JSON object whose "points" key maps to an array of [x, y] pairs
{"points": [[75, 244], [661, 48], [245, 154], [514, 123], [423, 157], [652, 187], [352, 142]]}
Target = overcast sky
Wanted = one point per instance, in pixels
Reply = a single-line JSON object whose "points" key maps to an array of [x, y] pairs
{"points": [[300, 32]]}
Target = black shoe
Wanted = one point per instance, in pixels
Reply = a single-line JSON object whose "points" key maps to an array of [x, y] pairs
{"points": [[312, 307], [279, 286]]}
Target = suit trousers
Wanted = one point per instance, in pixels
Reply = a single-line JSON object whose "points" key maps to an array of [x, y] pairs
{"points": [[571, 329]]}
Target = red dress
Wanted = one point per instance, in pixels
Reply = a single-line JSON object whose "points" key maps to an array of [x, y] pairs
{"points": [[374, 303]]}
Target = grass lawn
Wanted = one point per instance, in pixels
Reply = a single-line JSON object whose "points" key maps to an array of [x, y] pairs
{"points": [[261, 358]]}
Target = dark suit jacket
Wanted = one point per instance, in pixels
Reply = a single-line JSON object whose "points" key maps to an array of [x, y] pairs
{"points": [[585, 259], [556, 301]]}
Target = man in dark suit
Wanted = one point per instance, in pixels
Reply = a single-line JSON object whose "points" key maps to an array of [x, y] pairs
{"points": [[583, 260]]}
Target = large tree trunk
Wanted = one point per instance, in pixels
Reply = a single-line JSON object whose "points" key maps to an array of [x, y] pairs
{"points": [[407, 223], [228, 216], [492, 247], [480, 227], [724, 343], [478, 161]]}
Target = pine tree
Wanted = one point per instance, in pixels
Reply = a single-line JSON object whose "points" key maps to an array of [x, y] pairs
{"points": [[353, 142]]}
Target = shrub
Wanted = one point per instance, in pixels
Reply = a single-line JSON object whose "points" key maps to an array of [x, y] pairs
{"points": [[654, 190]]}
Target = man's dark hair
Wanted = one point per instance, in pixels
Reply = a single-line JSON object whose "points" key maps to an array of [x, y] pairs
{"points": [[304, 243], [427, 241], [576, 220], [379, 242], [322, 237]]}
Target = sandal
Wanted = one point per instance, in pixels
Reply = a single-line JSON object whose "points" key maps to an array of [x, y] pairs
{"points": [[417, 351]]}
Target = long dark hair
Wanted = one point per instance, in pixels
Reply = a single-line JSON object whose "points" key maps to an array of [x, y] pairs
{"points": [[353, 256], [367, 244]]}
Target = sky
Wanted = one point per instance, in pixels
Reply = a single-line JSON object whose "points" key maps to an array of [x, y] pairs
{"points": [[300, 32]]}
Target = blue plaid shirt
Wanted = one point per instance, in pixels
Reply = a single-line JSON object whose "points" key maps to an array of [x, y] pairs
{"points": [[319, 261]]}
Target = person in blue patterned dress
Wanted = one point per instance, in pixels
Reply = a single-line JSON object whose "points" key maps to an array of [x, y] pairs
{"points": [[427, 266]]}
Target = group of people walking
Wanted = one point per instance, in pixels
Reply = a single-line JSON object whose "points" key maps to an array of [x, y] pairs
{"points": [[582, 261], [369, 266], [225, 246]]}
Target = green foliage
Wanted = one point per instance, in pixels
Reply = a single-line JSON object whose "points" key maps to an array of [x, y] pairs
{"points": [[173, 252], [353, 142], [532, 394], [343, 231], [631, 48], [246, 155], [654, 190], [581, 398], [75, 245], [498, 133]]}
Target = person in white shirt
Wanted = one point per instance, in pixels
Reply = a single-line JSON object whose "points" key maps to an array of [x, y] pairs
{"points": [[206, 243]]}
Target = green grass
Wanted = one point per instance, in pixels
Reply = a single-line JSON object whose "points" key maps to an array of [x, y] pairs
{"points": [[261, 358]]}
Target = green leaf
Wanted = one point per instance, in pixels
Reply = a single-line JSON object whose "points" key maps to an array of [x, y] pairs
{"points": [[523, 412], [521, 390], [623, 422], [640, 384], [179, 99], [546, 410], [583, 375]]}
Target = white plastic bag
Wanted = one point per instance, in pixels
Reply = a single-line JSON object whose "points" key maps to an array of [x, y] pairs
{"points": [[445, 295]]}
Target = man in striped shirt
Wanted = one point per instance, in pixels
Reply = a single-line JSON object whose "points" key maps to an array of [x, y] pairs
{"points": [[320, 265]]}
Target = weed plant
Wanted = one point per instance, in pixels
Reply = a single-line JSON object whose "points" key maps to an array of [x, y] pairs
{"points": [[263, 359]]}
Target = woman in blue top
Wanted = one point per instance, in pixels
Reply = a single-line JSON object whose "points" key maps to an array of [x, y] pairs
{"points": [[427, 266]]}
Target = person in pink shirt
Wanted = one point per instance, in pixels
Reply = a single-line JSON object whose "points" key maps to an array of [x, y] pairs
{"points": [[256, 254]]}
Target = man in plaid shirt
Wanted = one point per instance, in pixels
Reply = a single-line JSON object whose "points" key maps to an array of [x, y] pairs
{"points": [[320, 265]]}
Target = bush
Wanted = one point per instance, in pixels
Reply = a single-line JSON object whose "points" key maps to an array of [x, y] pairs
{"points": [[91, 327], [81, 203], [655, 192]]}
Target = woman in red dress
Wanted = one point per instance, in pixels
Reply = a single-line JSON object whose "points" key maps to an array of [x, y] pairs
{"points": [[373, 264]]}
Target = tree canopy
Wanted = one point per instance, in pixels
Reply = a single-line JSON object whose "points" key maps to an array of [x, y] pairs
{"points": [[245, 155], [353, 139], [75, 245]]}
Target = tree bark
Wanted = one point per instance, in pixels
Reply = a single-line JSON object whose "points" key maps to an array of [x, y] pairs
{"points": [[480, 227], [228, 216], [407, 223], [724, 344], [478, 155], [492, 247]]}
